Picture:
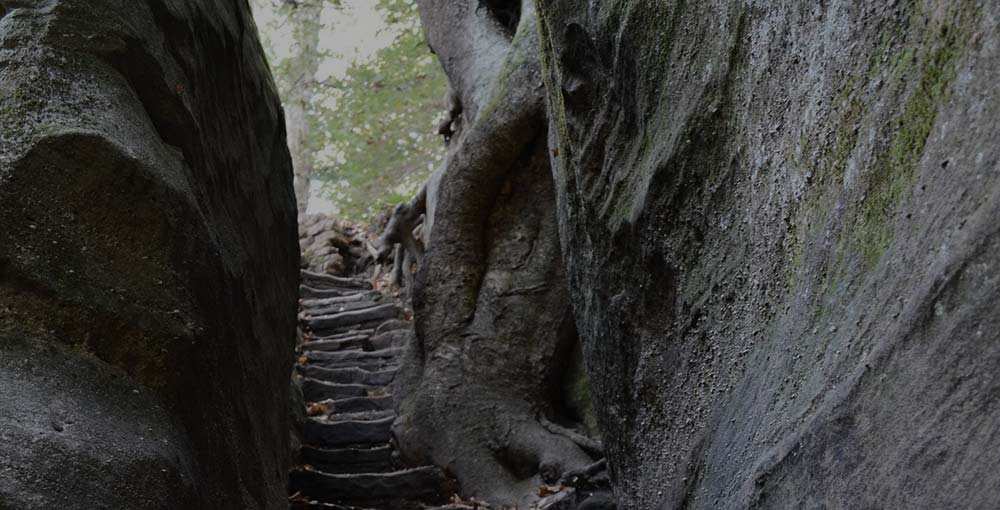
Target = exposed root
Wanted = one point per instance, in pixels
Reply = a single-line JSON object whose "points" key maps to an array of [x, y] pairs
{"points": [[582, 476], [404, 220], [591, 446]]}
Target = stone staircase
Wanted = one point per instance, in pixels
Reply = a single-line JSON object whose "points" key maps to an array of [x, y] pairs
{"points": [[354, 339]]}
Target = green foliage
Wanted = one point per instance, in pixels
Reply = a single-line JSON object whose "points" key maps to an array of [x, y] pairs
{"points": [[371, 133], [295, 73], [379, 128]]}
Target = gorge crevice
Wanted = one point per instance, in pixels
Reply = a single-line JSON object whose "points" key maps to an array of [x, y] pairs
{"points": [[678, 255]]}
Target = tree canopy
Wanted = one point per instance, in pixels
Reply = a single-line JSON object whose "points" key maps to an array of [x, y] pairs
{"points": [[372, 130]]}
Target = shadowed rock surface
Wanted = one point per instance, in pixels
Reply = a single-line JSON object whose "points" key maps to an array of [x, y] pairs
{"points": [[148, 258], [779, 223]]}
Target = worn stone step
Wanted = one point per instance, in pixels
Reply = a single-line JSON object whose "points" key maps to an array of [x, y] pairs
{"points": [[349, 432], [426, 483], [361, 415], [312, 313], [376, 365], [352, 375], [351, 318], [346, 343], [335, 281], [360, 404], [361, 356], [345, 334], [393, 325], [347, 297], [308, 293], [336, 331], [314, 390], [350, 460], [301, 504], [373, 365]]}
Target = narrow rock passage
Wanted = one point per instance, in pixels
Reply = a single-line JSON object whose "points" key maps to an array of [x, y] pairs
{"points": [[354, 339]]}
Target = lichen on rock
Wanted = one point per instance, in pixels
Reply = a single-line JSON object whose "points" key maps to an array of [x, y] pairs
{"points": [[777, 227]]}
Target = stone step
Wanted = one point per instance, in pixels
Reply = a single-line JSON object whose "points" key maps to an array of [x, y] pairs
{"points": [[352, 375], [348, 297], [308, 293], [426, 483], [351, 432], [369, 325], [334, 281], [302, 502], [312, 313], [314, 390], [360, 404], [361, 415], [393, 325], [342, 344], [305, 504], [377, 459], [346, 334], [358, 355], [354, 317], [377, 365]]}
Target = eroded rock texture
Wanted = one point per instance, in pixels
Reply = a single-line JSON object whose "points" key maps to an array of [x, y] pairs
{"points": [[148, 258], [780, 225]]}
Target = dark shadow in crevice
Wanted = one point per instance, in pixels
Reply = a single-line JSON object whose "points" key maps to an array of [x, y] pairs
{"points": [[506, 12]]}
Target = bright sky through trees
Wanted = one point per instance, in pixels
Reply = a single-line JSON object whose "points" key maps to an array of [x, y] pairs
{"points": [[373, 109]]}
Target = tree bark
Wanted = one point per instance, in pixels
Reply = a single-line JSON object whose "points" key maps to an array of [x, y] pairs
{"points": [[305, 18], [490, 297]]}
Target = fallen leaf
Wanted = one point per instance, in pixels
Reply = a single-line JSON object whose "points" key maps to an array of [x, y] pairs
{"points": [[545, 490], [318, 408]]}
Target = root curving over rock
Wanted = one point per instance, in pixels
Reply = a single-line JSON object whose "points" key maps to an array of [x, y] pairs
{"points": [[493, 322]]}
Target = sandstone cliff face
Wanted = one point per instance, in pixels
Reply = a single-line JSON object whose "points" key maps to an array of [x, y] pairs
{"points": [[791, 209], [148, 258]]}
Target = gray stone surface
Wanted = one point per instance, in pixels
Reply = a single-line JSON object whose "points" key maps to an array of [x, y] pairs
{"points": [[148, 243], [780, 227], [75, 431]]}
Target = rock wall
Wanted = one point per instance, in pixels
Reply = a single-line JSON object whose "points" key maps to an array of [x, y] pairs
{"points": [[330, 246], [148, 258], [780, 226]]}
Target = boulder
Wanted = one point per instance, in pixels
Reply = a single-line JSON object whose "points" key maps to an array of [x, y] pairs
{"points": [[148, 258], [328, 246]]}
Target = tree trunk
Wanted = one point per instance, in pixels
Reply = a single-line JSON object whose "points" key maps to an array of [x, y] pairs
{"points": [[298, 132], [490, 300], [305, 18]]}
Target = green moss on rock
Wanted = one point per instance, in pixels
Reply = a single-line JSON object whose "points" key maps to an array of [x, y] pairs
{"points": [[894, 174]]}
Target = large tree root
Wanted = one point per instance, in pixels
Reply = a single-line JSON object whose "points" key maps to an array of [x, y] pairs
{"points": [[495, 447], [480, 371], [399, 238], [591, 446]]}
